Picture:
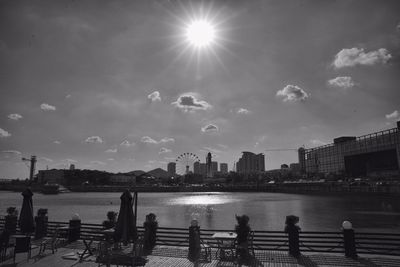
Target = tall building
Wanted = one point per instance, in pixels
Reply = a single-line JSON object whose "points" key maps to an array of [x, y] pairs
{"points": [[214, 167], [223, 167], [196, 167], [375, 154], [251, 163], [208, 164], [203, 169], [171, 168]]}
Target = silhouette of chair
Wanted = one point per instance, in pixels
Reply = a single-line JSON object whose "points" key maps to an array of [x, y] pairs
{"points": [[53, 242], [205, 252], [22, 244]]}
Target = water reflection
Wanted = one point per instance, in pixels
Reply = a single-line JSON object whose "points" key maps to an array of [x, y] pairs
{"points": [[202, 199], [267, 211]]}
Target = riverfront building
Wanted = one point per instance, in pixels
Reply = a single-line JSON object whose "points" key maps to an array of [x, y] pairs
{"points": [[223, 167], [374, 154], [171, 167], [251, 163]]}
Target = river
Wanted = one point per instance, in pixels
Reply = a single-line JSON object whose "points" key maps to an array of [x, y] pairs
{"points": [[267, 211]]}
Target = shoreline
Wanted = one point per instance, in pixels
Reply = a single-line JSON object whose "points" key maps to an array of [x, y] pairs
{"points": [[290, 188]]}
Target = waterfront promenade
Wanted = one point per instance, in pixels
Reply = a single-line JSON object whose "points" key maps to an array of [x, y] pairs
{"points": [[177, 257]]}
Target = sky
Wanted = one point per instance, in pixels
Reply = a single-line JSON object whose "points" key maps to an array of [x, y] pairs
{"points": [[117, 85]]}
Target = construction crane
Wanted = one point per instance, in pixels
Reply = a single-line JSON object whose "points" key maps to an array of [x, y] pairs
{"points": [[282, 149], [32, 161]]}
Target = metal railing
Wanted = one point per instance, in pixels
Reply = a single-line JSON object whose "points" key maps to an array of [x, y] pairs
{"points": [[309, 241]]}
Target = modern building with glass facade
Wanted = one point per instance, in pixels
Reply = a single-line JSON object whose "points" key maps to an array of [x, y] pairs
{"points": [[373, 154]]}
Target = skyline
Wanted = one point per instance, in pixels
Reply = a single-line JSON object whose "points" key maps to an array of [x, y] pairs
{"points": [[115, 86]]}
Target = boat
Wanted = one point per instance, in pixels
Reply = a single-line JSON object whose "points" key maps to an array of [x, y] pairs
{"points": [[50, 189]]}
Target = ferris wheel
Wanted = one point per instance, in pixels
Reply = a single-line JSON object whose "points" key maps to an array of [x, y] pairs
{"points": [[184, 162]]}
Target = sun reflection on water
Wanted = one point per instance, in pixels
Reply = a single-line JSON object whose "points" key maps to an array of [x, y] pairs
{"points": [[203, 199]]}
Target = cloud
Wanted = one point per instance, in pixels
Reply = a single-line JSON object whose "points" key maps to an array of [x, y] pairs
{"points": [[213, 150], [356, 56], [292, 93], [47, 107], [4, 133], [344, 82], [13, 152], [110, 159], [70, 160], [155, 96], [189, 102], [316, 142], [46, 159], [126, 143], [222, 146], [14, 116], [57, 142], [94, 139], [170, 158], [97, 162], [164, 150], [209, 128], [111, 150], [167, 139], [394, 115], [243, 111], [68, 96], [148, 139]]}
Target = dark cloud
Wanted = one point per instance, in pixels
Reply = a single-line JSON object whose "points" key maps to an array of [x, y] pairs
{"points": [[188, 102]]}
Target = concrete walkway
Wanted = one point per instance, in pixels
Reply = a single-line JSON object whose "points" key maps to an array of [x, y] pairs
{"points": [[176, 257]]}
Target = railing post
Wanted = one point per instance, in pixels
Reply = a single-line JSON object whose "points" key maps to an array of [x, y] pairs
{"points": [[349, 240], [74, 232], [293, 235]]}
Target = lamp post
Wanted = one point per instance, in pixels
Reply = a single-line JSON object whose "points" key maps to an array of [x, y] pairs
{"points": [[349, 240]]}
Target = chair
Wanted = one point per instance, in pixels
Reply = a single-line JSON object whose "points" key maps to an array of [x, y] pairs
{"points": [[4, 244], [22, 244], [51, 243], [104, 254], [107, 256], [226, 250], [205, 252]]}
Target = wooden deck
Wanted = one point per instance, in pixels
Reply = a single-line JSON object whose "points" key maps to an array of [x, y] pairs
{"points": [[177, 257]]}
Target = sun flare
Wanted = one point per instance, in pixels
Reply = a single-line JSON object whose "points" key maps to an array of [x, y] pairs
{"points": [[200, 33]]}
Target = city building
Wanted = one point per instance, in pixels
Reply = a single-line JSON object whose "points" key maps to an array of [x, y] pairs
{"points": [[223, 167], [119, 179], [51, 176], [374, 154], [203, 169], [171, 167], [196, 167], [214, 167], [251, 163], [208, 165]]}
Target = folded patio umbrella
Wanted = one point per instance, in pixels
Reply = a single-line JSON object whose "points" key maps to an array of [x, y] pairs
{"points": [[26, 222], [125, 230]]}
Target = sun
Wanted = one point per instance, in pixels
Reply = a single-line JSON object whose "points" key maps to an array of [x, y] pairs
{"points": [[200, 33]]}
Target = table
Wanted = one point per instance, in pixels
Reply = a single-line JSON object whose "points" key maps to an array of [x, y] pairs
{"points": [[226, 245]]}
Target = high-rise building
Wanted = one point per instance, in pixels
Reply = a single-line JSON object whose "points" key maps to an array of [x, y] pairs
{"points": [[251, 163], [375, 155], [208, 164], [196, 167], [223, 167], [171, 168], [214, 167], [203, 169]]}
